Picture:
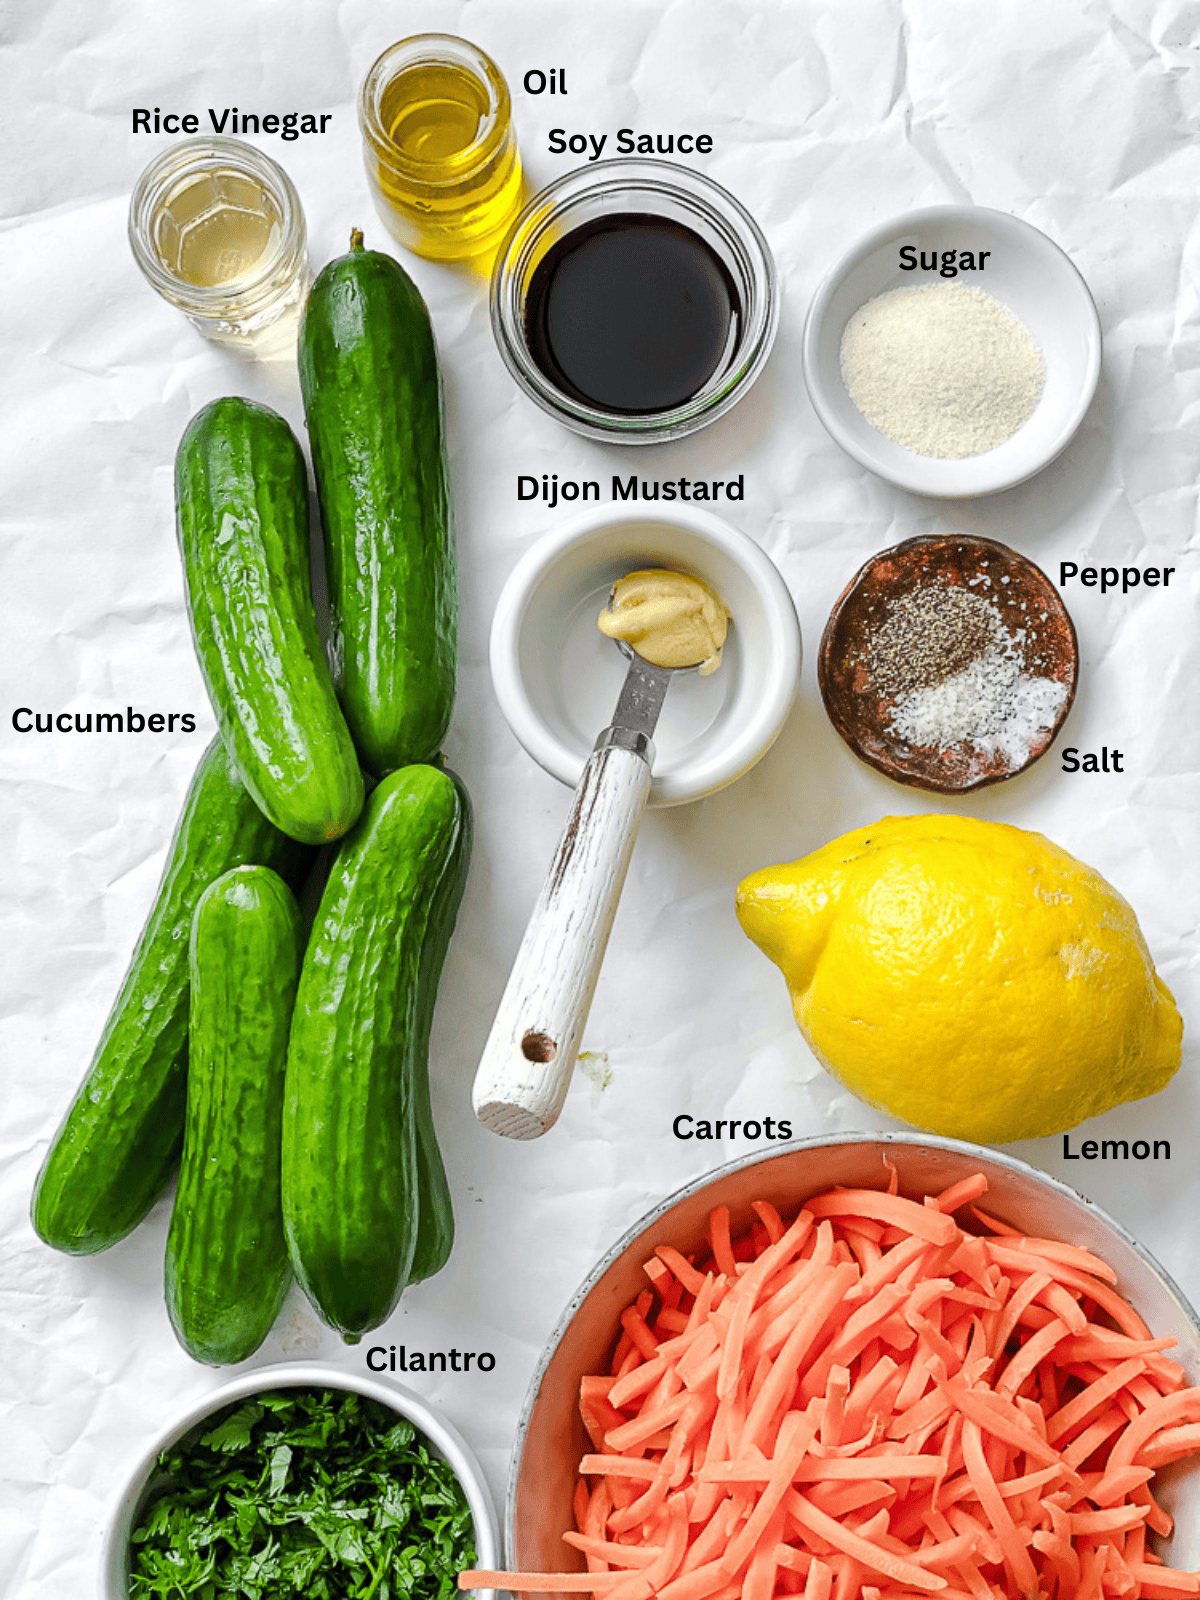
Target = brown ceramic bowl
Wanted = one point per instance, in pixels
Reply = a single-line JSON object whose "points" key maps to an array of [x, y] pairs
{"points": [[861, 711]]}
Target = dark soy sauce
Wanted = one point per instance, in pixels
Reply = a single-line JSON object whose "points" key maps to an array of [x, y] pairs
{"points": [[632, 314]]}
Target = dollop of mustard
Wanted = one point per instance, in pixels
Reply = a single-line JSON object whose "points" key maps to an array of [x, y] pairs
{"points": [[669, 618]]}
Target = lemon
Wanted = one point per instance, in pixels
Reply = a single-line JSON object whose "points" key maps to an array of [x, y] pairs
{"points": [[969, 977]]}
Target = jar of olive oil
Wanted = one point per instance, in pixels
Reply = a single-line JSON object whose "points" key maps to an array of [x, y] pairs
{"points": [[438, 144], [218, 230]]}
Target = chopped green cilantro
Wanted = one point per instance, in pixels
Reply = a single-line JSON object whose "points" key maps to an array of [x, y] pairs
{"points": [[317, 1493]]}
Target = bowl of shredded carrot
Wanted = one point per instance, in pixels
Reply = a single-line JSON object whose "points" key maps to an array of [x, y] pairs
{"points": [[886, 1367]]}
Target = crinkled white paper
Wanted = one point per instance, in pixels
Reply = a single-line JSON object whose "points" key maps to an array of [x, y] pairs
{"points": [[826, 118]]}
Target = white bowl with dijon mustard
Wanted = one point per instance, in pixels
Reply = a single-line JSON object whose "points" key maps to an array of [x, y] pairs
{"points": [[557, 677]]}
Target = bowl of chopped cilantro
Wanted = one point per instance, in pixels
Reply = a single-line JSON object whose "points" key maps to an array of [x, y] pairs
{"points": [[301, 1480]]}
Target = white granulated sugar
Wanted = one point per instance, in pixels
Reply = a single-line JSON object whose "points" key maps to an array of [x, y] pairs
{"points": [[941, 369], [991, 704]]}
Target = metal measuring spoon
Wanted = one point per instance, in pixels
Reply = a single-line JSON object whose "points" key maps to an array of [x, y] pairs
{"points": [[530, 1053]]}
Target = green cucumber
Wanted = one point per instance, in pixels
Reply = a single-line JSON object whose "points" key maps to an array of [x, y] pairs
{"points": [[227, 1269], [372, 398], [350, 1170], [241, 497], [120, 1139], [435, 1212]]}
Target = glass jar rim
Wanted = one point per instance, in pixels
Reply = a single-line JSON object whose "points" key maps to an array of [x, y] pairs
{"points": [[206, 154], [640, 179], [438, 48]]}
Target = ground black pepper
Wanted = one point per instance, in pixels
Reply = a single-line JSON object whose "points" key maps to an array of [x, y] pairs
{"points": [[930, 634]]}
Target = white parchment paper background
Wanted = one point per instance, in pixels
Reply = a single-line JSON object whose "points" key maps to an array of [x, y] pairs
{"points": [[826, 118]]}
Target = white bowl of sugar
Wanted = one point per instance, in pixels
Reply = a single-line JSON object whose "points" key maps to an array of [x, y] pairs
{"points": [[938, 320]]}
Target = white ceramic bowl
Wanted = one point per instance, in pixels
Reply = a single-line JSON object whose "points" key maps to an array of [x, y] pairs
{"points": [[557, 677], [1027, 273], [550, 1437], [445, 1440]]}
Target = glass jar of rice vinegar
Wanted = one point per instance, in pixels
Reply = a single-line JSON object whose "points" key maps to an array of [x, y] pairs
{"points": [[438, 143], [218, 229]]}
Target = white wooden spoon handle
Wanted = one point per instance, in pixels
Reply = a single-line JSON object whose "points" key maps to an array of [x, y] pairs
{"points": [[527, 1062]]}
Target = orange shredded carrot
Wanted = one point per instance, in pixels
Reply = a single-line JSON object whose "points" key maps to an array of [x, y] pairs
{"points": [[722, 1249], [640, 1336], [1016, 1556], [619, 1467], [872, 1402], [935, 1226], [620, 1555], [687, 1274], [819, 1582], [1071, 1254], [760, 1575], [1170, 1444], [994, 1225], [839, 1499], [771, 1220], [962, 1193], [1166, 1580], [862, 1550]]}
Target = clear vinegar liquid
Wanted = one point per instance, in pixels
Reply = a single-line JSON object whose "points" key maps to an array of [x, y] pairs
{"points": [[218, 227]]}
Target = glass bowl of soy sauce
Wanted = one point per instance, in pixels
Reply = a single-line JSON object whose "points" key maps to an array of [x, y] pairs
{"points": [[635, 301]]}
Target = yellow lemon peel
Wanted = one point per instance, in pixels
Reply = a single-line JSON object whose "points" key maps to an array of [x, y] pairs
{"points": [[969, 977]]}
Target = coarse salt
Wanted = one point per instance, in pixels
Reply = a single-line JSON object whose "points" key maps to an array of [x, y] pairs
{"points": [[991, 704]]}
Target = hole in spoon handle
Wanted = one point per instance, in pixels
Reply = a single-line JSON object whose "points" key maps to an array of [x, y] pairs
{"points": [[538, 1046]]}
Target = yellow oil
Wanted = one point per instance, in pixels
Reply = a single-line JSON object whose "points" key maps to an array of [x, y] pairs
{"points": [[448, 177], [218, 227], [433, 111]]}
